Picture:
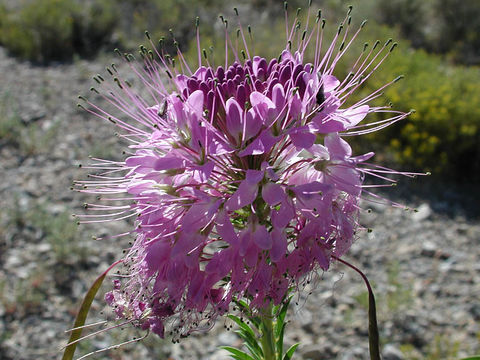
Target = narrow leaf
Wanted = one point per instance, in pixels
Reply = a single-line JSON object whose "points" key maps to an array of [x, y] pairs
{"points": [[237, 354], [281, 317], [248, 335], [257, 353], [288, 355], [475, 357], [242, 324], [279, 337], [82, 315], [373, 337]]}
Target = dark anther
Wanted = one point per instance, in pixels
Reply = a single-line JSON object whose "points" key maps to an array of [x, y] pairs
{"points": [[320, 97]]}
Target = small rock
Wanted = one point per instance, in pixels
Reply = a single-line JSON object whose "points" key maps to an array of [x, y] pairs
{"points": [[423, 212], [44, 247], [312, 352], [391, 352], [304, 318], [429, 249], [227, 338], [355, 352], [475, 311]]}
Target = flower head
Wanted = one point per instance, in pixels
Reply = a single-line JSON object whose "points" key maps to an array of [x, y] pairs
{"points": [[240, 177]]}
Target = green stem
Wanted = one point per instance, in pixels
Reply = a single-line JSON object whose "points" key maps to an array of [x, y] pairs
{"points": [[268, 337]]}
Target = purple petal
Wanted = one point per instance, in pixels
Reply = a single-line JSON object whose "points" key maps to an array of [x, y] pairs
{"points": [[157, 253], [168, 163], [273, 194], [225, 229], [141, 159], [234, 117], [313, 188], [140, 186], [331, 126], [199, 215], [254, 176], [201, 173], [355, 115], [295, 106], [195, 102], [319, 254], [302, 138], [284, 215], [278, 96], [262, 144], [319, 151], [259, 99], [330, 82], [262, 238], [337, 147], [246, 192], [279, 245], [253, 124]]}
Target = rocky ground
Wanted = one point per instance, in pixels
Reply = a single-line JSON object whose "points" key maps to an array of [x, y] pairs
{"points": [[425, 265]]}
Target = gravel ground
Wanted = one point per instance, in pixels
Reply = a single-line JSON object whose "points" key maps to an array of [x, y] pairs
{"points": [[425, 265]]}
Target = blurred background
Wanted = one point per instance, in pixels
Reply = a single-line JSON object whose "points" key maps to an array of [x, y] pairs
{"points": [[49, 51]]}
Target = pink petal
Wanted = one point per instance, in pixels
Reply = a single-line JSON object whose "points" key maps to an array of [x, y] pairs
{"points": [[199, 215], [138, 187], [272, 193], [195, 102], [302, 138], [234, 117], [355, 115], [279, 245], [337, 147], [225, 229], [246, 192], [201, 173], [262, 238], [330, 82], [331, 126], [168, 163], [262, 144], [319, 254], [281, 217], [259, 99], [278, 96], [157, 254], [142, 158], [253, 124]]}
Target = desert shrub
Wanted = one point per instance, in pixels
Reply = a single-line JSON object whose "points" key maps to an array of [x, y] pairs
{"points": [[458, 30], [94, 26], [46, 30], [443, 134]]}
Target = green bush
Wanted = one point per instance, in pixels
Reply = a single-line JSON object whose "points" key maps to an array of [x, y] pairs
{"points": [[45, 30], [443, 134]]}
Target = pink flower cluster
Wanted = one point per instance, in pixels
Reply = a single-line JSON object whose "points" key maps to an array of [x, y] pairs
{"points": [[240, 178]]}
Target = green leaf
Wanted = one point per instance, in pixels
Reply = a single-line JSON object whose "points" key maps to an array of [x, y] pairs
{"points": [[248, 335], [288, 355], [242, 324], [82, 315], [281, 317], [474, 357], [242, 304], [279, 343], [373, 337], [237, 354]]}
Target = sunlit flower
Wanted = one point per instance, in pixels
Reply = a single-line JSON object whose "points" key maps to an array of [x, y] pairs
{"points": [[240, 177]]}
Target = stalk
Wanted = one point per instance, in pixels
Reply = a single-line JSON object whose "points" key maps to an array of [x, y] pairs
{"points": [[267, 341]]}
